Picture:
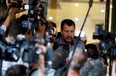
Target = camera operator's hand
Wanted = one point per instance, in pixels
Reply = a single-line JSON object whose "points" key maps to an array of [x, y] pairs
{"points": [[41, 47], [41, 60], [14, 1], [53, 31], [10, 16], [8, 4]]}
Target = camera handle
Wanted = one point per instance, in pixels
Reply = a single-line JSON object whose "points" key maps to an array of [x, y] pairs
{"points": [[77, 40]]}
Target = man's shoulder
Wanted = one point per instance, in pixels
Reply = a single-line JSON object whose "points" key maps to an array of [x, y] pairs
{"points": [[57, 42], [58, 39]]}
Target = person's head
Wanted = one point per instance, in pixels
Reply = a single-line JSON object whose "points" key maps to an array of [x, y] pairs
{"points": [[41, 26], [67, 30], [16, 70], [53, 28], [52, 24], [60, 59], [92, 68], [17, 27], [92, 51], [79, 59]]}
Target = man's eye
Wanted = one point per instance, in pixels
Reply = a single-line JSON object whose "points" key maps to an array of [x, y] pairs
{"points": [[65, 31]]}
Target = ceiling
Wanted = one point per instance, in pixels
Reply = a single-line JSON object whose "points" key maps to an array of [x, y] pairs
{"points": [[78, 0], [56, 2]]}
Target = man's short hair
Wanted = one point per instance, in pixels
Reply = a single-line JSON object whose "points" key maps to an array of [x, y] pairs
{"points": [[16, 70], [79, 62], [92, 68], [69, 22], [53, 24], [60, 60]]}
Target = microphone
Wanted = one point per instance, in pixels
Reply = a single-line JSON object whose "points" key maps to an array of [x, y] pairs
{"points": [[90, 3]]}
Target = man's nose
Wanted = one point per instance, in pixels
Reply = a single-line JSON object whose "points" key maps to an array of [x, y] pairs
{"points": [[69, 33]]}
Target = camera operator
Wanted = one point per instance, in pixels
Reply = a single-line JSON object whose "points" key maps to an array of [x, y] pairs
{"points": [[14, 29], [9, 18], [7, 21]]}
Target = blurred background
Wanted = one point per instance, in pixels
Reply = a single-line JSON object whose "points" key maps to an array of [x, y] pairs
{"points": [[57, 10], [76, 10]]}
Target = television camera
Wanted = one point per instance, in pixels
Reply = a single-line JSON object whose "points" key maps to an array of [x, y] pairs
{"points": [[23, 47], [107, 43]]}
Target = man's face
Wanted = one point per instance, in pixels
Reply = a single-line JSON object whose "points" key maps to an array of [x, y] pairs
{"points": [[68, 33]]}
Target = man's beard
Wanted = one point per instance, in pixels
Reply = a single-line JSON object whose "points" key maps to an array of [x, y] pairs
{"points": [[67, 41]]}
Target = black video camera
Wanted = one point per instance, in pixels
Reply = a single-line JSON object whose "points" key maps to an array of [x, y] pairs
{"points": [[22, 48], [14, 3], [107, 43], [28, 51], [8, 52], [102, 34]]}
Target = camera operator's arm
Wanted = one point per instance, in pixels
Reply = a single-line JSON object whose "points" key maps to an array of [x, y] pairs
{"points": [[11, 13], [10, 17], [41, 65], [7, 22], [41, 59]]}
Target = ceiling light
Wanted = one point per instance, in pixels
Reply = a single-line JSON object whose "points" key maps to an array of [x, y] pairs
{"points": [[76, 19], [50, 18], [76, 4], [110, 6], [102, 10]]}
